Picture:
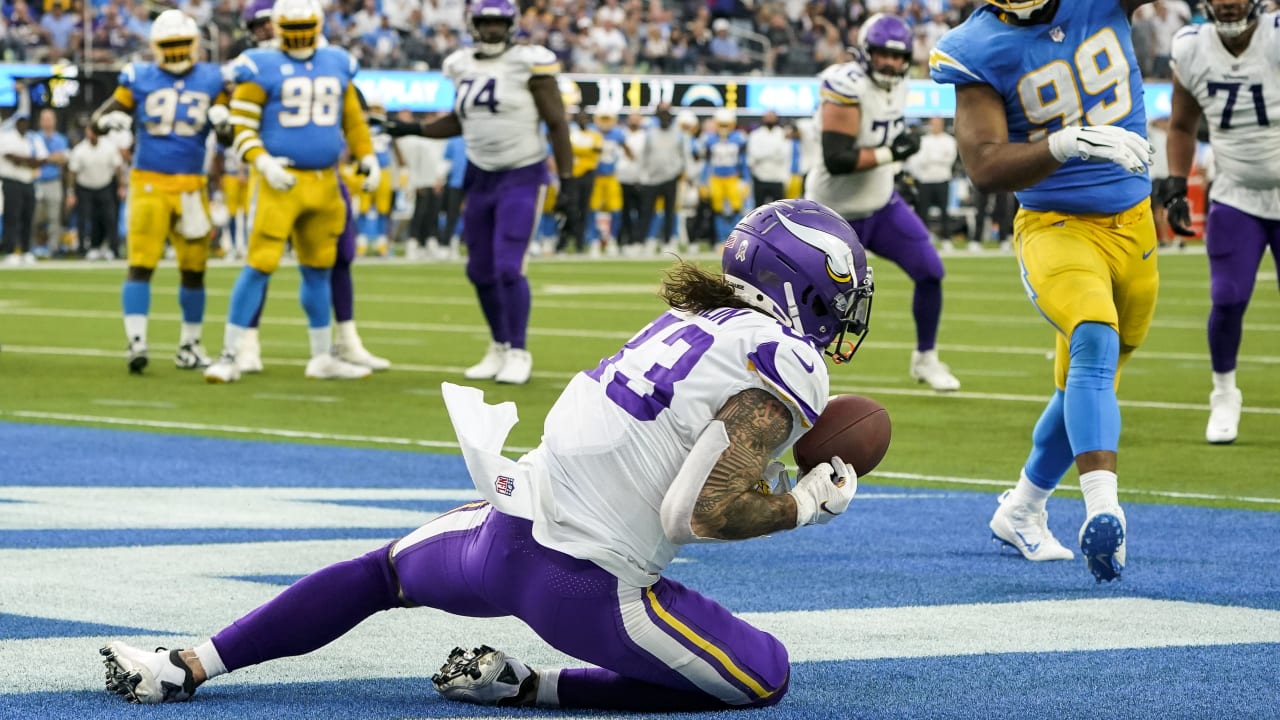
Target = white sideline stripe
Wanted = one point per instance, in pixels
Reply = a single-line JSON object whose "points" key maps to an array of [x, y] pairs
{"points": [[113, 402], [835, 387], [403, 442], [1197, 325], [297, 398]]}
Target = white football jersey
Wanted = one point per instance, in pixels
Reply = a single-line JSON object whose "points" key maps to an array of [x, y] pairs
{"points": [[1240, 96], [616, 438], [860, 193], [500, 121]]}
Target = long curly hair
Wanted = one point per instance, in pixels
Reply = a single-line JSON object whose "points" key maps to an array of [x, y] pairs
{"points": [[689, 288]]}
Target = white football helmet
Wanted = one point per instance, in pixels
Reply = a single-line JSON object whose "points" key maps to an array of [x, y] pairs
{"points": [[298, 26], [175, 40], [726, 119]]}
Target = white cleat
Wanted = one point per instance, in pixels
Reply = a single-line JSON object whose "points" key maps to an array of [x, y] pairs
{"points": [[489, 367], [249, 356], [927, 368], [330, 367], [1224, 416], [517, 368], [356, 354], [1026, 530], [224, 370], [1102, 542], [147, 677], [191, 356], [485, 676]]}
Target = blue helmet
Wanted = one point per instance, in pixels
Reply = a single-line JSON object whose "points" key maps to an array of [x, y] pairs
{"points": [[800, 262], [493, 43]]}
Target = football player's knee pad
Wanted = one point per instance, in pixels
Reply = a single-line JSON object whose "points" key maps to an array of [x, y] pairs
{"points": [[1095, 353]]}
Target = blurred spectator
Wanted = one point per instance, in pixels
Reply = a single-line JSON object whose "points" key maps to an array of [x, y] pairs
{"points": [[1164, 18], [933, 168], [655, 50], [401, 15], [60, 31], [47, 220], [382, 45], [199, 10], [725, 55], [769, 159], [608, 43], [827, 46], [450, 13], [21, 155], [95, 165]]}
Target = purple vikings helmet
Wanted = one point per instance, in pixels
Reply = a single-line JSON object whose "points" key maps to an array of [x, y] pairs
{"points": [[888, 34], [1234, 18], [255, 12], [493, 42], [800, 262]]}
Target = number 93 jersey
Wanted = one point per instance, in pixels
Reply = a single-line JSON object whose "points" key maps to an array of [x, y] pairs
{"points": [[1240, 96], [500, 122], [859, 194], [303, 102], [1078, 68], [171, 115], [616, 438]]}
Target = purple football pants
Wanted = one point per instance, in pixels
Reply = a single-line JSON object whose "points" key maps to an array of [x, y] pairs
{"points": [[1235, 242], [499, 220], [664, 648], [896, 233]]}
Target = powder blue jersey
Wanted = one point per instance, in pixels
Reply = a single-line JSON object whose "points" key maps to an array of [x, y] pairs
{"points": [[1078, 68], [170, 115]]}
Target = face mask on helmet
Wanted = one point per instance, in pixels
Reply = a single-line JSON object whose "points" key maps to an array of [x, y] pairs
{"points": [[1026, 12], [256, 16], [297, 25], [800, 262], [175, 41], [1233, 18], [493, 24], [886, 49]]}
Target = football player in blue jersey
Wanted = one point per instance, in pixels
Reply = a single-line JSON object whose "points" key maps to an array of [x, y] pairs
{"points": [[175, 102], [294, 109], [1049, 105]]}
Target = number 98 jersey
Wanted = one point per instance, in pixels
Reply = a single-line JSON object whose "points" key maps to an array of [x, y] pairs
{"points": [[303, 105], [171, 115], [1078, 68], [500, 122]]}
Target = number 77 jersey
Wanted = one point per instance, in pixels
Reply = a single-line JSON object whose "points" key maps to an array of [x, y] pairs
{"points": [[301, 110], [1078, 68]]}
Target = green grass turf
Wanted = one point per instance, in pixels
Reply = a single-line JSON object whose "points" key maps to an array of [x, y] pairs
{"points": [[63, 355]]}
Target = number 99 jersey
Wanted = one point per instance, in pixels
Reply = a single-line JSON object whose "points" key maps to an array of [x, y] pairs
{"points": [[500, 122], [171, 115], [1240, 96], [1078, 68], [304, 102]]}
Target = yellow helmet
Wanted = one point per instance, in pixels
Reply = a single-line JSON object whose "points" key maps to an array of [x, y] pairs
{"points": [[1023, 10], [298, 27], [570, 93], [175, 40]]}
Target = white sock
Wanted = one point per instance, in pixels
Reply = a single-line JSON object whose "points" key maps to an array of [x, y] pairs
{"points": [[321, 340], [249, 338], [190, 333], [231, 338], [1028, 493], [135, 326], [1223, 382], [210, 659], [346, 332], [1099, 488], [548, 688]]}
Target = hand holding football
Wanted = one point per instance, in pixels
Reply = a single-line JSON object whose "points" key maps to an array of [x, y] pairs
{"points": [[854, 428]]}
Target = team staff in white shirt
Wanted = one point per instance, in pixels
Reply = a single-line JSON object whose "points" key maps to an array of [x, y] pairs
{"points": [[769, 159], [933, 168], [21, 155], [95, 165], [427, 169]]}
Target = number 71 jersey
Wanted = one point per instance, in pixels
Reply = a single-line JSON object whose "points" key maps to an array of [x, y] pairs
{"points": [[500, 122], [1077, 69], [303, 104], [1240, 96]]}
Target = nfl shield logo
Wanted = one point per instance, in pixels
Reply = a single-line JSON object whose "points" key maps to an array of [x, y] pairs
{"points": [[505, 485]]}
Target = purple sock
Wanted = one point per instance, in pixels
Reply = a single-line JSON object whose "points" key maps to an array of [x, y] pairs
{"points": [[607, 690], [1226, 323], [516, 304], [312, 612], [344, 295], [926, 308], [490, 295]]}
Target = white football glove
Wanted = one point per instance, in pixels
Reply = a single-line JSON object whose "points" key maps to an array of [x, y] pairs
{"points": [[824, 492], [371, 172], [1102, 143], [273, 172], [219, 114]]}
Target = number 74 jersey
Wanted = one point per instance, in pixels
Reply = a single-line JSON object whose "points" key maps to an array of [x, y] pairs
{"points": [[1077, 69], [1240, 96]]}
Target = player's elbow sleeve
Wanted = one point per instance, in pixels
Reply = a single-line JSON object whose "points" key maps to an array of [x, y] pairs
{"points": [[839, 152]]}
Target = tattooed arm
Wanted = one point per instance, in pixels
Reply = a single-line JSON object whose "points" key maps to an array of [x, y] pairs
{"points": [[730, 505]]}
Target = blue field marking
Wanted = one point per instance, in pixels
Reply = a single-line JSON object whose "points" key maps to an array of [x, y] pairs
{"points": [[22, 627], [894, 548]]}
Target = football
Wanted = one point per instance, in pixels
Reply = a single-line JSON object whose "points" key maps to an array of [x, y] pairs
{"points": [[852, 427]]}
